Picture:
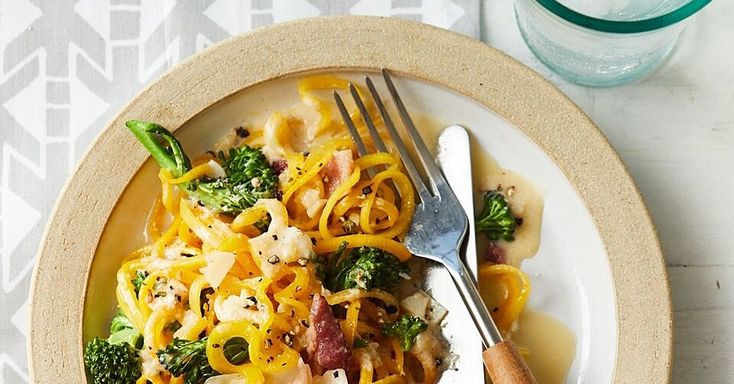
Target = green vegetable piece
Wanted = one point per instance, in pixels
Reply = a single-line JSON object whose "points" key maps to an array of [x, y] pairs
{"points": [[120, 322], [129, 336], [263, 224], [364, 268], [122, 330], [249, 179], [188, 358], [140, 277], [368, 268], [173, 326], [326, 265], [405, 330], [162, 145], [249, 175], [236, 350], [496, 220], [120, 349], [360, 342], [109, 363]]}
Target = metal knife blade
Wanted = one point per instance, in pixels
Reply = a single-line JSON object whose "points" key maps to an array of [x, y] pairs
{"points": [[455, 160]]}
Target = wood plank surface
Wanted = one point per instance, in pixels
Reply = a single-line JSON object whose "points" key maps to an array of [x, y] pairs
{"points": [[675, 132]]}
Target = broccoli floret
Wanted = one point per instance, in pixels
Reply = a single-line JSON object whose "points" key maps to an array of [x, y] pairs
{"points": [[249, 179], [249, 175], [406, 329], [188, 358], [102, 357], [364, 267], [496, 220], [111, 363], [326, 265]]}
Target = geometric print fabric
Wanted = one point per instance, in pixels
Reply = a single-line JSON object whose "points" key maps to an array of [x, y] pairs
{"points": [[67, 66]]}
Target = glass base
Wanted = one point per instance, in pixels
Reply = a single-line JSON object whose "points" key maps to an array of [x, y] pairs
{"points": [[602, 79], [592, 58]]}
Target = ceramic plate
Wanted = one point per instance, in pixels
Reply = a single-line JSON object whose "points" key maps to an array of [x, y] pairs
{"points": [[599, 270]]}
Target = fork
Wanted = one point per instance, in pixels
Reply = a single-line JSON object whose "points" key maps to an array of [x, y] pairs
{"points": [[438, 227]]}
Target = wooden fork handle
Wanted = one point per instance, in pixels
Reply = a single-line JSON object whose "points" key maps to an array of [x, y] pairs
{"points": [[505, 365]]}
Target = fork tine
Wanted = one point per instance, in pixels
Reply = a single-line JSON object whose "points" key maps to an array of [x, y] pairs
{"points": [[398, 142], [379, 144], [361, 149], [434, 174], [376, 139]]}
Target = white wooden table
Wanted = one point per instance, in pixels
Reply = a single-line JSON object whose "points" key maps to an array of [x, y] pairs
{"points": [[675, 132]]}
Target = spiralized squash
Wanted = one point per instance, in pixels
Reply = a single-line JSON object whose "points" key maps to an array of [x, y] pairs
{"points": [[234, 281]]}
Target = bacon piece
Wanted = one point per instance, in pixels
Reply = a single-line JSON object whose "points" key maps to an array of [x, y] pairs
{"points": [[337, 170], [279, 166], [495, 254], [327, 347]]}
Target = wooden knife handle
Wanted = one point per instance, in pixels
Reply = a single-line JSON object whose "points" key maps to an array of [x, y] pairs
{"points": [[505, 365]]}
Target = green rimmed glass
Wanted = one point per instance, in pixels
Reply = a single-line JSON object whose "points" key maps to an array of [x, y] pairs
{"points": [[603, 43]]}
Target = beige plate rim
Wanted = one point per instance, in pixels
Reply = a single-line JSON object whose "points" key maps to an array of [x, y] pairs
{"points": [[469, 67]]}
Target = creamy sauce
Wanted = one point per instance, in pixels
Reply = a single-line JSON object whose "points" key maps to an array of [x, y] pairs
{"points": [[524, 198], [550, 344], [526, 202]]}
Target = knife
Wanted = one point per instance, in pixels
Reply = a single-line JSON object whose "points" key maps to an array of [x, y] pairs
{"points": [[454, 157]]}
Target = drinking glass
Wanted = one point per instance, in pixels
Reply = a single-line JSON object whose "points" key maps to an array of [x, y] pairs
{"points": [[603, 42]]}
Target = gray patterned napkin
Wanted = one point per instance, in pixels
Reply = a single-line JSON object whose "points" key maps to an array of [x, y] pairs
{"points": [[67, 66]]}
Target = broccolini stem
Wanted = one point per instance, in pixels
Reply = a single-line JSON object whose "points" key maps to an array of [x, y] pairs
{"points": [[151, 135]]}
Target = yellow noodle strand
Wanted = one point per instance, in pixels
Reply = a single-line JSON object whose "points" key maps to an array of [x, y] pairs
{"points": [[193, 174], [198, 227], [219, 336], [331, 202], [351, 321], [388, 245], [399, 355], [517, 286]]}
